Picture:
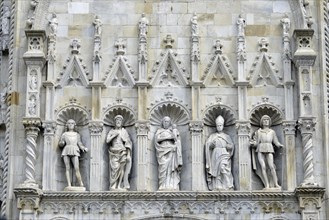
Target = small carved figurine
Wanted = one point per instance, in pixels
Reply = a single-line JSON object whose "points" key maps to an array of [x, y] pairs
{"points": [[98, 26], [169, 155], [219, 150], [263, 141], [120, 151], [71, 141], [143, 23], [53, 23]]}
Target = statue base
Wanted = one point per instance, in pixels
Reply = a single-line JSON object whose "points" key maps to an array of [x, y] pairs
{"points": [[118, 190], [275, 189], [75, 188]]}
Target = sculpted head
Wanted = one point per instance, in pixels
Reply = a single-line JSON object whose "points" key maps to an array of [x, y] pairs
{"points": [[70, 124], [220, 123], [265, 121], [118, 121], [166, 122]]}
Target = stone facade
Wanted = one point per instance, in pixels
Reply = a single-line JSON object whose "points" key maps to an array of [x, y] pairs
{"points": [[191, 61]]}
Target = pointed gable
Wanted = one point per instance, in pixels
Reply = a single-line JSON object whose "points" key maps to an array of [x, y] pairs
{"points": [[168, 70], [219, 71], [74, 72], [264, 72], [120, 73]]}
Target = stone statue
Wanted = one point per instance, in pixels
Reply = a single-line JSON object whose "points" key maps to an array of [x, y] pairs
{"points": [[53, 23], [143, 23], [194, 25], [285, 25], [241, 25], [169, 155], [71, 141], [262, 143], [120, 150], [219, 150], [98, 26]]}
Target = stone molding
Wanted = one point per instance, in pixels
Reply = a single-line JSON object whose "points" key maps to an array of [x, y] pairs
{"points": [[196, 127], [289, 127], [310, 197]]}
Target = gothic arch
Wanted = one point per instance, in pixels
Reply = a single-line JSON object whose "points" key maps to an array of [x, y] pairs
{"points": [[266, 109], [212, 112], [169, 217]]}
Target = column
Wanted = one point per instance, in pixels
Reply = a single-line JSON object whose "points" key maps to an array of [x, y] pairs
{"points": [[242, 125], [289, 124], [198, 168], [96, 169], [304, 58], [49, 156], [143, 178], [34, 59], [243, 129]]}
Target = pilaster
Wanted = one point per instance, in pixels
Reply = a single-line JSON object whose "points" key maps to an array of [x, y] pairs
{"points": [[289, 129], [96, 169], [243, 129], [143, 178], [198, 168], [49, 156]]}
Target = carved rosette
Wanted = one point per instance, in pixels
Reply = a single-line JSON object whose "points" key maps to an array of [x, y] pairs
{"points": [[306, 127], [243, 128], [32, 128], [96, 128], [196, 127], [142, 128]]}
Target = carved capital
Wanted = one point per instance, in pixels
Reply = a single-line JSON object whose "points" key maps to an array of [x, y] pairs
{"points": [[306, 125], [28, 198], [49, 127], [243, 128], [304, 55], [32, 125], [310, 197], [142, 127], [289, 127], [95, 127], [196, 127], [36, 45]]}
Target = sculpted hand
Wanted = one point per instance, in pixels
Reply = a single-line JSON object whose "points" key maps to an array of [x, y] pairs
{"points": [[84, 149]]}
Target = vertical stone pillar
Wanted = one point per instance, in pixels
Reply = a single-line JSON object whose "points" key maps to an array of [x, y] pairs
{"points": [[34, 59], [245, 166], [289, 124], [306, 126], [143, 178], [96, 171], [49, 156], [242, 125], [304, 58], [28, 202], [310, 200], [198, 168], [289, 169]]}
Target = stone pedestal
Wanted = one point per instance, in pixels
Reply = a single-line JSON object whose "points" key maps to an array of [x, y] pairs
{"points": [[310, 201]]}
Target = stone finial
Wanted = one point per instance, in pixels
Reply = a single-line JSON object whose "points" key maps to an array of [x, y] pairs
{"points": [[218, 47], [169, 41], [263, 45], [120, 45], [75, 44]]}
